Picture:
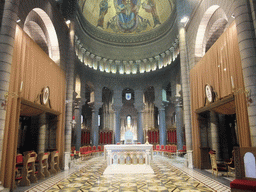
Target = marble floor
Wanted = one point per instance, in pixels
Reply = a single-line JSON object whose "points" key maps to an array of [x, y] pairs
{"points": [[169, 175]]}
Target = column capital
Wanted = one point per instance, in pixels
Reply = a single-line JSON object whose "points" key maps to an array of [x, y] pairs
{"points": [[157, 57], [117, 62], [96, 105], [167, 52], [98, 58], [79, 102], [92, 56], [171, 49], [161, 105], [138, 62], [87, 53], [178, 101], [83, 50], [162, 55]]}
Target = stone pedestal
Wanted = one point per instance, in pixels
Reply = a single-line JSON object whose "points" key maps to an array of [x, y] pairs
{"points": [[190, 159], [66, 160]]}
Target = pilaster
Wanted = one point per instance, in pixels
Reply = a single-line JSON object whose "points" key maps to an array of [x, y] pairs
{"points": [[246, 42]]}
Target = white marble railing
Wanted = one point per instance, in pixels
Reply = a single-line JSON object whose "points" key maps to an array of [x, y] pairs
{"points": [[128, 154]]}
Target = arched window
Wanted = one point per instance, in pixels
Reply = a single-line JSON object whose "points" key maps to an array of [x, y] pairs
{"points": [[129, 120]]}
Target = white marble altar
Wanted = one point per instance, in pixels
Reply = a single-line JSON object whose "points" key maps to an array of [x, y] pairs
{"points": [[128, 154]]}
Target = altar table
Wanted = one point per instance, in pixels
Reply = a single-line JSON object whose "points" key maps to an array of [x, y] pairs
{"points": [[111, 152]]}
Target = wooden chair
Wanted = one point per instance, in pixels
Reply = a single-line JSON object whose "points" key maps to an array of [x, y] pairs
{"points": [[183, 151], [83, 152], [230, 164], [54, 162], [18, 168], [74, 154], [28, 170], [216, 167], [43, 165]]}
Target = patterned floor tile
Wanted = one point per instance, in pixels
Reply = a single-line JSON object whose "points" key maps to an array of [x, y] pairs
{"points": [[168, 175]]}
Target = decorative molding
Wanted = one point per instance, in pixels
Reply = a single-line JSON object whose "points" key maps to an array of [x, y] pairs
{"points": [[125, 67]]}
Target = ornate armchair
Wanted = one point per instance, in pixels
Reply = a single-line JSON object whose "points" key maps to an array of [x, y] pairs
{"points": [[216, 167]]}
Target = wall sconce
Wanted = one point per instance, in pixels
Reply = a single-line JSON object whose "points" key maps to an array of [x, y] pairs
{"points": [[73, 122]]}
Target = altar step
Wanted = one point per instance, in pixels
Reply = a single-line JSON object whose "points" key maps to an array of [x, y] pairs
{"points": [[128, 169]]}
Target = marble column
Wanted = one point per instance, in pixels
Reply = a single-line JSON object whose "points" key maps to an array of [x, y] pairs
{"points": [[77, 131], [42, 133], [184, 66], [162, 126], [246, 42], [117, 105], [95, 127], [186, 94], [179, 123], [69, 95], [117, 109], [160, 104], [7, 39], [140, 135]]}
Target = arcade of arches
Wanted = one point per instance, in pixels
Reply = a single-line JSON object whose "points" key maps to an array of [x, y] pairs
{"points": [[85, 73]]}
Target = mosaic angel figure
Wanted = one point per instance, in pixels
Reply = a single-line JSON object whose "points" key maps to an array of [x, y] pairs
{"points": [[103, 11], [150, 7]]}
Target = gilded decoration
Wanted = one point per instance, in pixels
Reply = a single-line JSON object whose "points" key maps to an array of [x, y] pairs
{"points": [[126, 16]]}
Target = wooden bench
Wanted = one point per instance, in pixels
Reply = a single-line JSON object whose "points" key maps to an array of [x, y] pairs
{"points": [[54, 162], [28, 173], [244, 158], [43, 165]]}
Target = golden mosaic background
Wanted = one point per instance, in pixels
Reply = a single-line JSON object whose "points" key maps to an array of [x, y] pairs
{"points": [[91, 11]]}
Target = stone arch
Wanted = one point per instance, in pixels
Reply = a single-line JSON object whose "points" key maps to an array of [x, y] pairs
{"points": [[214, 33], [39, 26], [210, 28]]}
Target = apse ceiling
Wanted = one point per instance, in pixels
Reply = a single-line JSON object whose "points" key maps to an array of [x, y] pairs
{"points": [[126, 17], [126, 36]]}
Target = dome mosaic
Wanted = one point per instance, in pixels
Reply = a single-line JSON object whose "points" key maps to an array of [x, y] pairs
{"points": [[126, 17]]}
